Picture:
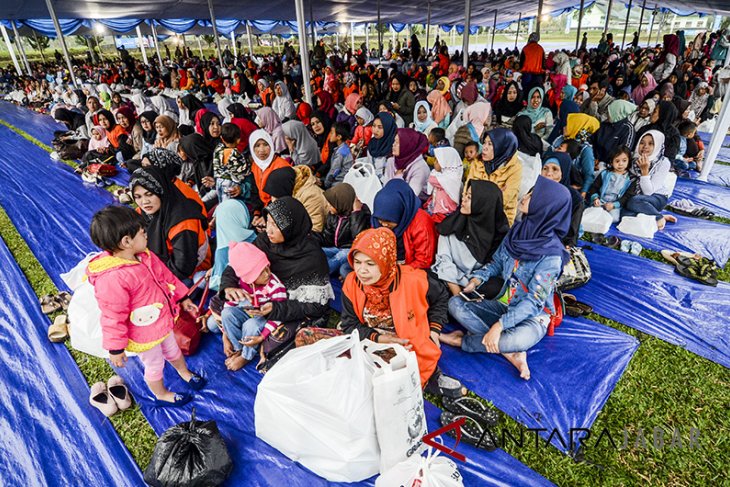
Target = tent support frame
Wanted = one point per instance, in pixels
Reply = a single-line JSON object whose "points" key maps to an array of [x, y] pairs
{"points": [[303, 50], [215, 33], [64, 48], [21, 49], [608, 16], [467, 28], [539, 16], [517, 34], [494, 29], [580, 25], [626, 24], [141, 46], [157, 43]]}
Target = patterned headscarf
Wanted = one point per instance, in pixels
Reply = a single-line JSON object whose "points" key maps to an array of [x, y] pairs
{"points": [[380, 245], [168, 162]]}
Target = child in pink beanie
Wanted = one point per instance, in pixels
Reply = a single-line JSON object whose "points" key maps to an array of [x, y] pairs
{"points": [[244, 322]]}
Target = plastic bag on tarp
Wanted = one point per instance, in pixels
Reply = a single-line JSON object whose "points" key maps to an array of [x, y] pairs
{"points": [[596, 220], [431, 470], [189, 454], [640, 225]]}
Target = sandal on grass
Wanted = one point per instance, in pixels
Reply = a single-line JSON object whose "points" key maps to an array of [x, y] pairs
{"points": [[64, 299], [575, 308], [58, 331], [468, 406], [702, 270], [472, 432], [671, 255], [442, 385], [49, 304]]}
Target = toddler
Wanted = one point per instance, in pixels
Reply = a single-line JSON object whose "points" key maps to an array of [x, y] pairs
{"points": [[341, 160], [471, 155], [691, 152], [614, 186], [100, 150], [231, 170], [363, 131], [139, 300]]}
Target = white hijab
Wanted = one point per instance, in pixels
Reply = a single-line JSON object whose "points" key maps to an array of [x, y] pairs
{"points": [[257, 135], [452, 170], [655, 157]]}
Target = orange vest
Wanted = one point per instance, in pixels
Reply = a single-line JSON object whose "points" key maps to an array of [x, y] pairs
{"points": [[534, 57], [190, 194], [409, 307], [261, 176], [205, 256]]}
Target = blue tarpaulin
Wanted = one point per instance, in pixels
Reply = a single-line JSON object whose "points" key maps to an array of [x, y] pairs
{"points": [[49, 433], [712, 197], [719, 175], [54, 221], [650, 297]]}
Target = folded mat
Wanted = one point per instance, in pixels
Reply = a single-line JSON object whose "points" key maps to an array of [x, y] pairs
{"points": [[54, 221], [714, 198], [41, 127], [572, 374], [49, 433], [650, 297], [708, 238]]}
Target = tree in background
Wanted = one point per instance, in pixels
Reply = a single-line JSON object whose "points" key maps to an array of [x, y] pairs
{"points": [[40, 44], [209, 39]]}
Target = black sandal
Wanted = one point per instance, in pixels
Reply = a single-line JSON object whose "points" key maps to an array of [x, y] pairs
{"points": [[433, 387], [575, 308], [702, 270], [468, 406], [472, 432]]}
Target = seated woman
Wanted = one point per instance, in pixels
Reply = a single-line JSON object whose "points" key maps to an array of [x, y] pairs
{"points": [[422, 121], [167, 135], [580, 127], [380, 148], [469, 237], [408, 162], [617, 130], [320, 125], [170, 165], [298, 261], [113, 130], [529, 261], [556, 167], [131, 143], [149, 131], [500, 165], [655, 181], [232, 224], [477, 118], [176, 231], [308, 192], [399, 209], [529, 153], [302, 146], [391, 303], [265, 162], [267, 119], [347, 217], [540, 116], [642, 115]]}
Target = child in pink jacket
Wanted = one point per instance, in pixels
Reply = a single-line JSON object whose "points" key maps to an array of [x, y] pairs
{"points": [[139, 300]]}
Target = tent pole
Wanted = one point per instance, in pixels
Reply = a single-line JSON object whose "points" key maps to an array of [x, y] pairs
{"points": [[367, 41], [539, 16], [467, 27], [380, 36], [250, 41], [215, 33], [157, 42], [718, 137], [580, 24], [141, 46], [11, 50], [651, 25], [311, 25], [352, 37], [517, 34], [608, 16], [626, 24], [200, 46], [19, 43], [59, 33], [428, 28], [303, 50], [233, 43], [641, 20], [494, 29]]}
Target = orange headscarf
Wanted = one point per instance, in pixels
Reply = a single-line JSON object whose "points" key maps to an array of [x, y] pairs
{"points": [[380, 245]]}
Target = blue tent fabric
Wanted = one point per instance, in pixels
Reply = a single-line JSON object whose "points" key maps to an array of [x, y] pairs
{"points": [[120, 25], [650, 297], [54, 223], [719, 175], [572, 375], [714, 198], [50, 435], [46, 27], [710, 239]]}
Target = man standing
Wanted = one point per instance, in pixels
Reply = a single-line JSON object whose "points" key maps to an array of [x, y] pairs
{"points": [[532, 60]]}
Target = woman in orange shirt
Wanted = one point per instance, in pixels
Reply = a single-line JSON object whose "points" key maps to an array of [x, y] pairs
{"points": [[265, 162]]}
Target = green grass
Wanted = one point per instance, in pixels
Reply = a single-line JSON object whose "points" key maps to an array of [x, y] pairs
{"points": [[663, 386]]}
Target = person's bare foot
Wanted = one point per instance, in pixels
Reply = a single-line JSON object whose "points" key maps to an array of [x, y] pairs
{"points": [[661, 223], [228, 349], [519, 360], [237, 362], [232, 356], [454, 338], [670, 218]]}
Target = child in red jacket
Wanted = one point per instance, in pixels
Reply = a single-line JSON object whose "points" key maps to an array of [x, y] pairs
{"points": [[139, 300]]}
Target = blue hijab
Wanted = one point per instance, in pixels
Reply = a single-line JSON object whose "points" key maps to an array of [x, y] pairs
{"points": [[397, 203], [546, 223], [567, 106], [383, 147], [232, 223], [505, 146], [564, 161]]}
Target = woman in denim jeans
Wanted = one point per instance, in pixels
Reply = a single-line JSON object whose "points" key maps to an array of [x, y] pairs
{"points": [[525, 269]]}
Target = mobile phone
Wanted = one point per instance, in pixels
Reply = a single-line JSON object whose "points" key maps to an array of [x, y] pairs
{"points": [[251, 308], [472, 296]]}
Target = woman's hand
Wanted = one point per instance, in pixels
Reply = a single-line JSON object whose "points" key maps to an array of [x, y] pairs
{"points": [[474, 283], [264, 310], [608, 206], [189, 306], [357, 205], [491, 338], [396, 106], [540, 126], [644, 165], [435, 338], [597, 203], [119, 360], [208, 182], [236, 294], [395, 339], [234, 191]]}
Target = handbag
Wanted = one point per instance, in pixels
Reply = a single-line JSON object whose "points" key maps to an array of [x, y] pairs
{"points": [[576, 272], [101, 169], [187, 327]]}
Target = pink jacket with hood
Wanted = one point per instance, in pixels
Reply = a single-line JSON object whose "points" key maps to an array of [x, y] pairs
{"points": [[138, 300]]}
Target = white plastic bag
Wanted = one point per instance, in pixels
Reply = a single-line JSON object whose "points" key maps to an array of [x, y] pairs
{"points": [[400, 420], [640, 225], [364, 180], [431, 470], [316, 407], [596, 220]]}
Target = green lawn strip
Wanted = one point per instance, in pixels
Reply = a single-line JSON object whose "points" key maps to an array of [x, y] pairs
{"points": [[133, 428]]}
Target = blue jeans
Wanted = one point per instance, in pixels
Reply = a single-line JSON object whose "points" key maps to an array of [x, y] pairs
{"points": [[478, 318], [336, 259], [648, 205], [238, 324]]}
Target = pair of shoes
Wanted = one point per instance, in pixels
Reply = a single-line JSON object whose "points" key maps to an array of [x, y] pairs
{"points": [[575, 308], [196, 383], [702, 270], [444, 386], [110, 397], [50, 303], [612, 242], [631, 247], [472, 431], [124, 196], [475, 409]]}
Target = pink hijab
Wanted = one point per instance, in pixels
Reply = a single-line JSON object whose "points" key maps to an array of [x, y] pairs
{"points": [[98, 144], [351, 103], [640, 92], [439, 106], [478, 114]]}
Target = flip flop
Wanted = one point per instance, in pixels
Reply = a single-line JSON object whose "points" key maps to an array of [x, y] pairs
{"points": [[49, 304], [671, 255], [472, 432], [447, 387], [58, 331], [468, 406], [702, 270]]}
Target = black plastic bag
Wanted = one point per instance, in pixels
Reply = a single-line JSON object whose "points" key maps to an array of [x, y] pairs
{"points": [[190, 454]]}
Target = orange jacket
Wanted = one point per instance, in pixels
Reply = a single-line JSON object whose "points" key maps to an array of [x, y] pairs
{"points": [[190, 194], [409, 307], [205, 256], [261, 176], [534, 56]]}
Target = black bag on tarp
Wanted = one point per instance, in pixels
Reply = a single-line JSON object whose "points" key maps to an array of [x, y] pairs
{"points": [[191, 454]]}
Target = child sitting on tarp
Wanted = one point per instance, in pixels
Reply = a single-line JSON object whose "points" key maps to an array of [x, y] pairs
{"points": [[614, 186], [691, 151], [100, 150]]}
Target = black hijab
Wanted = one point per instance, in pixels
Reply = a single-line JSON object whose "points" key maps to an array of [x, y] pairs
{"points": [[192, 104], [281, 182], [205, 122], [199, 152], [483, 230], [109, 116], [326, 123], [506, 108], [150, 136], [528, 142], [73, 120]]}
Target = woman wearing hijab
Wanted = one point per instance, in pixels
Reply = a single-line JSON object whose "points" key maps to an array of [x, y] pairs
{"points": [[662, 119], [302, 147], [699, 97], [556, 167], [422, 120], [210, 124], [401, 98], [167, 135], [567, 106], [283, 105], [240, 118], [529, 153], [408, 163], [197, 162], [189, 106], [176, 229], [528, 262], [391, 303], [267, 119], [74, 121], [469, 237], [642, 115], [149, 132], [541, 117], [656, 183], [580, 127], [509, 104], [647, 85], [380, 148], [320, 124], [477, 117], [399, 209], [668, 58], [325, 103], [440, 109], [297, 260], [310, 194], [499, 164], [232, 224], [170, 164], [616, 131], [265, 162], [113, 130], [352, 103]]}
